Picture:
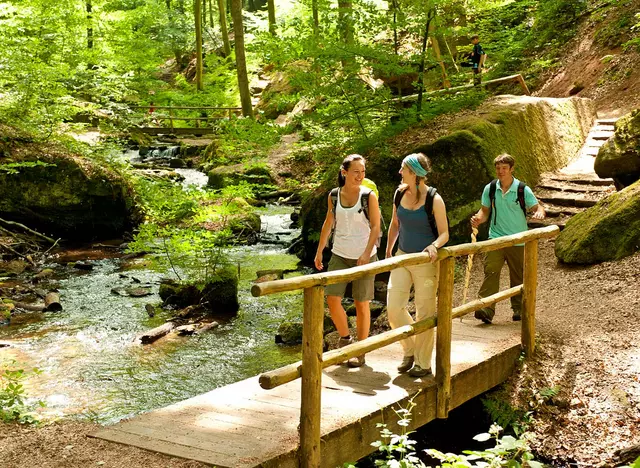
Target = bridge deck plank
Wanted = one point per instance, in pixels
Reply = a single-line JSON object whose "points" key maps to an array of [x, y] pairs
{"points": [[242, 425]]}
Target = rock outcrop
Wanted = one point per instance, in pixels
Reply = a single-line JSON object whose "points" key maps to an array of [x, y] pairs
{"points": [[609, 230], [46, 187], [619, 158]]}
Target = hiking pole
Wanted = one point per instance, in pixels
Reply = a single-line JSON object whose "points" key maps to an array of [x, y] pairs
{"points": [[467, 276]]}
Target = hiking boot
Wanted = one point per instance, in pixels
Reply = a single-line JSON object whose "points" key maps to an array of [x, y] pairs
{"points": [[407, 363], [516, 317], [357, 361], [418, 371], [342, 342], [483, 315]]}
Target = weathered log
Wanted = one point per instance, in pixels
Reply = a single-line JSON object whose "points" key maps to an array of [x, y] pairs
{"points": [[29, 307], [184, 330], [155, 333], [52, 302], [207, 327]]}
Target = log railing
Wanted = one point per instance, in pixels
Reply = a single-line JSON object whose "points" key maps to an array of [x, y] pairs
{"points": [[313, 360]]}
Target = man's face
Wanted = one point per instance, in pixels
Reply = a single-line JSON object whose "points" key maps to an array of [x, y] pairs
{"points": [[504, 172], [475, 40]]}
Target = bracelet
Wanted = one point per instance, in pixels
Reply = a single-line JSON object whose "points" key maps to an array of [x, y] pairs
{"points": [[434, 244]]}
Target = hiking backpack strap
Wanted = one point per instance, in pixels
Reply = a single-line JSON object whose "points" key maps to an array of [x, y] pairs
{"points": [[364, 202], [523, 205], [397, 197], [428, 207], [492, 200], [334, 193]]}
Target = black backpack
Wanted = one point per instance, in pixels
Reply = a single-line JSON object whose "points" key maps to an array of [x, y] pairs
{"points": [[492, 198], [364, 201], [428, 207]]}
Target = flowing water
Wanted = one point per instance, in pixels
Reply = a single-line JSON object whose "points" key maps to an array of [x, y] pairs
{"points": [[90, 365]]}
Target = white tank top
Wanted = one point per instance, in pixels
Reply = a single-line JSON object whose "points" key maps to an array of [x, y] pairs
{"points": [[352, 231]]}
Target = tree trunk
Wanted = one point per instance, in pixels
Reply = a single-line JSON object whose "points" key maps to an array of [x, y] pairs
{"points": [[211, 13], [345, 24], [204, 13], [241, 61], [316, 20], [436, 51], [168, 3], [197, 13], [271, 6], [89, 26], [394, 6], [430, 15], [223, 27], [52, 301]]}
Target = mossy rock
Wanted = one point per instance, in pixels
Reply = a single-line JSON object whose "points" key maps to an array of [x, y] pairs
{"points": [[224, 176], [219, 295], [289, 333], [63, 194], [619, 157], [610, 230], [281, 94], [179, 294], [542, 134]]}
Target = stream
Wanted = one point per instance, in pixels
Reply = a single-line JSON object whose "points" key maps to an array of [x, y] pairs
{"points": [[90, 366]]}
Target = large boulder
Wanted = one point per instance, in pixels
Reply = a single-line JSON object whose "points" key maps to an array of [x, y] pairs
{"points": [[619, 157], [45, 187], [607, 231], [543, 134]]}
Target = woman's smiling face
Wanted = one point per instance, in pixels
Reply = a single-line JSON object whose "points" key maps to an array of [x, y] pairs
{"points": [[355, 174]]}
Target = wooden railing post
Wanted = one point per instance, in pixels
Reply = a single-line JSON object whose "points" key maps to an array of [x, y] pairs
{"points": [[311, 374], [530, 283], [443, 334]]}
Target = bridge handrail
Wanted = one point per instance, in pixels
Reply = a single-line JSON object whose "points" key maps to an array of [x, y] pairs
{"points": [[313, 359], [343, 276]]}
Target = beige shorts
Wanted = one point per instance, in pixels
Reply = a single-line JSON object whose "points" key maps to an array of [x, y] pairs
{"points": [[361, 289]]}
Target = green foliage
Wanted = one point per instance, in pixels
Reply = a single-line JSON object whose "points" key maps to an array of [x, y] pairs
{"points": [[14, 168], [635, 42], [506, 415], [13, 407], [508, 452], [167, 202]]}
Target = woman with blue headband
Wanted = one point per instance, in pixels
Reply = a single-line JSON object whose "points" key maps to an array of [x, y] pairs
{"points": [[419, 224]]}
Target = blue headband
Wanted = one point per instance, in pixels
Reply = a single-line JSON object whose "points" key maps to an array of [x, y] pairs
{"points": [[414, 164]]}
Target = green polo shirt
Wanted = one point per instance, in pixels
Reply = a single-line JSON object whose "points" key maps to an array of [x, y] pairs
{"points": [[511, 219]]}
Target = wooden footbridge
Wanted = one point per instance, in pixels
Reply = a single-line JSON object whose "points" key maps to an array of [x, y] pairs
{"points": [[272, 421], [164, 119]]}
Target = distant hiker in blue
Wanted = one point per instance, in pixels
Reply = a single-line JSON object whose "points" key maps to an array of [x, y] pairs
{"points": [[477, 59], [505, 202], [353, 215]]}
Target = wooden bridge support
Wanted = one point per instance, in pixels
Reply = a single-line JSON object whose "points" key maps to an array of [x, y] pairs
{"points": [[530, 283], [310, 406], [443, 336]]}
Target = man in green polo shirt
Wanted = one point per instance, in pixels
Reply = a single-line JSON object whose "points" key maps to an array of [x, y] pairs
{"points": [[507, 217]]}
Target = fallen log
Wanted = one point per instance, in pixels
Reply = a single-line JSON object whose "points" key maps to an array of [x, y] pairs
{"points": [[29, 307], [155, 333], [207, 327], [52, 302]]}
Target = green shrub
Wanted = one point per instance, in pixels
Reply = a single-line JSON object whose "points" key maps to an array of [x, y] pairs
{"points": [[13, 407]]}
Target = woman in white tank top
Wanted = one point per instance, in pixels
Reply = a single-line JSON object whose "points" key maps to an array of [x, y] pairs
{"points": [[354, 244]]}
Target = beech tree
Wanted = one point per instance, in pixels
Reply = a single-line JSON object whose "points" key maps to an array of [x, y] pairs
{"points": [[241, 61]]}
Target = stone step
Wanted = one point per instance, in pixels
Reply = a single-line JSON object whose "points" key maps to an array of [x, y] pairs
{"points": [[594, 143], [603, 128], [579, 180], [556, 211], [537, 223], [590, 151], [562, 199], [606, 121], [600, 135], [568, 186]]}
